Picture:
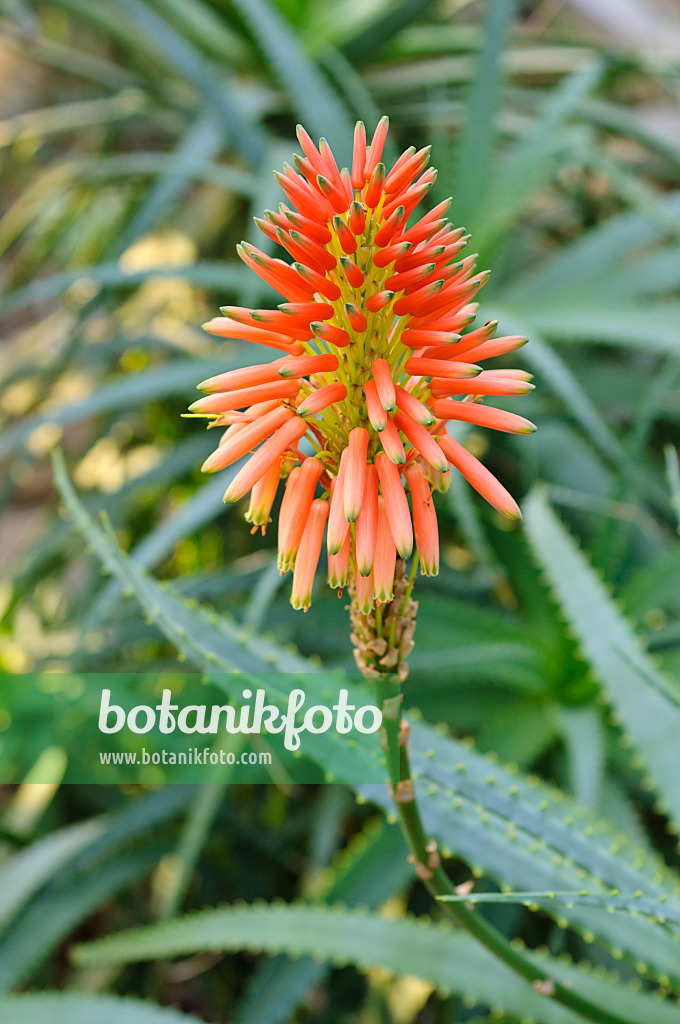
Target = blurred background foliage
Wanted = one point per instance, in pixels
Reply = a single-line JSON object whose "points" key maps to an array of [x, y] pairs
{"points": [[137, 142]]}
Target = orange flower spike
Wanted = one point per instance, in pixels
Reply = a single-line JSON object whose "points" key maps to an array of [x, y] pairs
{"points": [[422, 440], [359, 156], [391, 254], [332, 170], [396, 505], [335, 196], [373, 360], [382, 375], [354, 483], [414, 338], [310, 472], [338, 566], [266, 454], [308, 555], [287, 513], [405, 170], [224, 327], [385, 558], [367, 524], [303, 313], [479, 477], [318, 282], [338, 527], [424, 519], [262, 498], [497, 347]]}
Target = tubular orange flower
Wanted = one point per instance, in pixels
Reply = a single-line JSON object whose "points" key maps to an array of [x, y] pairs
{"points": [[308, 555], [377, 356], [424, 519]]}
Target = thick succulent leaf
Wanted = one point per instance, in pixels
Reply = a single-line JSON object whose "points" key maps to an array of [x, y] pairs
{"points": [[632, 683], [475, 160], [27, 871], [314, 100], [368, 871], [450, 959], [73, 1008], [181, 55], [52, 916]]}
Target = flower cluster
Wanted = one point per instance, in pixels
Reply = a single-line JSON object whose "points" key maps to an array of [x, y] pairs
{"points": [[375, 363]]}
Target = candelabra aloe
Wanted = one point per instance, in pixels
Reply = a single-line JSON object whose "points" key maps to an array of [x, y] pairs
{"points": [[378, 358]]}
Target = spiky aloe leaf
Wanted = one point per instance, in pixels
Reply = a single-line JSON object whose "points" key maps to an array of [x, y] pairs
{"points": [[72, 1008], [450, 959], [637, 691]]}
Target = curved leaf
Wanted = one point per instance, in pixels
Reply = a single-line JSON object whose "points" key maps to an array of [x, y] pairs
{"points": [[450, 959]]}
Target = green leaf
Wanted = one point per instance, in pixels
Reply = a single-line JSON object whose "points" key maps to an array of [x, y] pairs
{"points": [[630, 903], [316, 104], [204, 505], [651, 327], [365, 44], [475, 164], [672, 460], [181, 56], [584, 739], [72, 1008], [450, 959], [53, 915], [370, 869], [207, 29], [617, 657], [27, 871], [528, 836], [535, 158]]}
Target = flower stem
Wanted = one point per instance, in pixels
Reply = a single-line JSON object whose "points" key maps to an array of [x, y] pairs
{"points": [[388, 673]]}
